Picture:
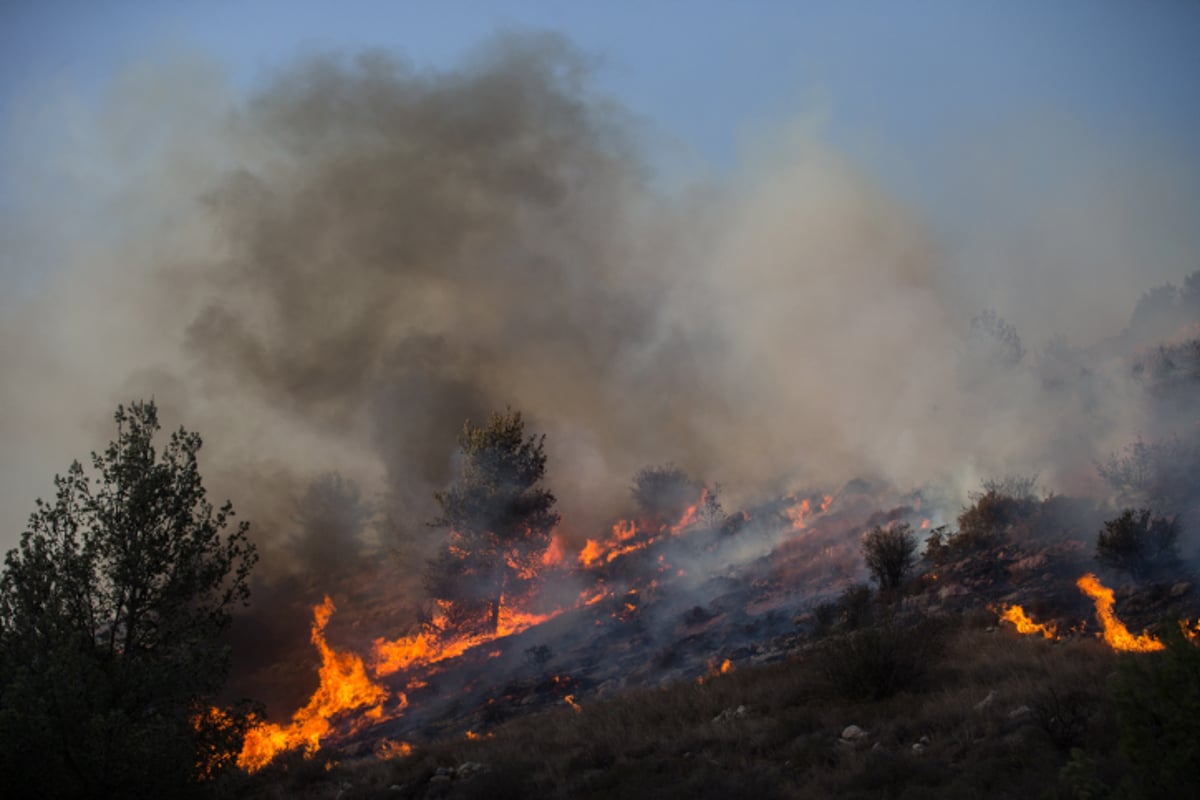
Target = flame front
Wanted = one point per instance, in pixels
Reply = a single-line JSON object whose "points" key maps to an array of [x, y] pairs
{"points": [[1017, 616], [437, 643], [1116, 634], [344, 686]]}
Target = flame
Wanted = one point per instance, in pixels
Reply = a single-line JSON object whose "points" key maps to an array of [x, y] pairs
{"points": [[602, 552], [437, 642], [211, 759], [570, 700], [1017, 616], [925, 523], [389, 749], [1116, 634], [800, 512], [344, 686], [555, 555]]}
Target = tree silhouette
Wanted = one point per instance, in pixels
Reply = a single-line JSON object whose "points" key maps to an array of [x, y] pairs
{"points": [[112, 610], [499, 521]]}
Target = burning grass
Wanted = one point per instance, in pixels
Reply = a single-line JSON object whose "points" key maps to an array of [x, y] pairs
{"points": [[777, 731]]}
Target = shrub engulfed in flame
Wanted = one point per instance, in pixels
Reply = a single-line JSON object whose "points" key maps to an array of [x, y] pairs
{"points": [[1116, 634], [1017, 616], [344, 686]]}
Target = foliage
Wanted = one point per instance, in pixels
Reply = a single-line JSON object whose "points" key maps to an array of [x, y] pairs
{"points": [[994, 341], [1157, 700], [664, 492], [1160, 474], [499, 521], [330, 517], [1139, 542], [990, 519], [890, 553], [112, 610]]}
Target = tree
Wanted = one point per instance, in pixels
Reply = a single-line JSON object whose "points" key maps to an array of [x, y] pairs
{"points": [[499, 521], [112, 610], [330, 518], [1139, 542], [663, 493], [890, 553]]}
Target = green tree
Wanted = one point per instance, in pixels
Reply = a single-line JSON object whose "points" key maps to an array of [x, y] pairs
{"points": [[112, 610], [890, 553], [499, 521]]}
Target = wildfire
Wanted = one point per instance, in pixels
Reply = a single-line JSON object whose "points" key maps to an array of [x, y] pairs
{"points": [[799, 513], [570, 700], [437, 642], [554, 556], [1017, 616], [389, 749], [344, 686], [622, 541], [1116, 634]]}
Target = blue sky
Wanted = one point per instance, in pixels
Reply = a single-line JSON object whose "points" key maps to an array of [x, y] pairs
{"points": [[901, 78], [963, 110]]}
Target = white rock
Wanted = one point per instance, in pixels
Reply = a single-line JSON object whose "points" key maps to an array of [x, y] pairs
{"points": [[853, 732]]}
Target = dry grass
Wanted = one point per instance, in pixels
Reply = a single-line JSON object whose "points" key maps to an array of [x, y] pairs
{"points": [[665, 743]]}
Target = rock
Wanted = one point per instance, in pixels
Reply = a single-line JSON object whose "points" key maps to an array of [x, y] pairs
{"points": [[985, 703], [730, 714], [918, 749], [1180, 589], [1020, 712], [469, 769], [852, 733]]}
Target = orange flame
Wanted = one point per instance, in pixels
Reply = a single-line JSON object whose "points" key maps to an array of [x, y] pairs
{"points": [[570, 700], [1116, 634], [390, 749], [800, 513], [554, 556], [1017, 616], [344, 686], [436, 643]]}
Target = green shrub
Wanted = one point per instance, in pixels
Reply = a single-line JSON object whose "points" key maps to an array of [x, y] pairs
{"points": [[1139, 542]]}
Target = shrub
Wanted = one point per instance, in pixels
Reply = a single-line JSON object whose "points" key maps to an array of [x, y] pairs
{"points": [[990, 518], [1157, 700], [1138, 542], [876, 662], [890, 553]]}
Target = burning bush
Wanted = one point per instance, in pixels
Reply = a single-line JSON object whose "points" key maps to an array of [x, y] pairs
{"points": [[663, 493], [890, 553], [1139, 542]]}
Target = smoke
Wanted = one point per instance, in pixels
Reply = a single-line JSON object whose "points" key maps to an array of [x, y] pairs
{"points": [[330, 276]]}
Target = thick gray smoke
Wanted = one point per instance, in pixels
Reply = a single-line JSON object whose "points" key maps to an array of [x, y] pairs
{"points": [[331, 276]]}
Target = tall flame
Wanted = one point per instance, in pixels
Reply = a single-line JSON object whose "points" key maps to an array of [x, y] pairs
{"points": [[344, 686], [1116, 634], [1017, 616]]}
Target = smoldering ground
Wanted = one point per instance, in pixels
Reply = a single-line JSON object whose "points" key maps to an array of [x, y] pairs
{"points": [[327, 276]]}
